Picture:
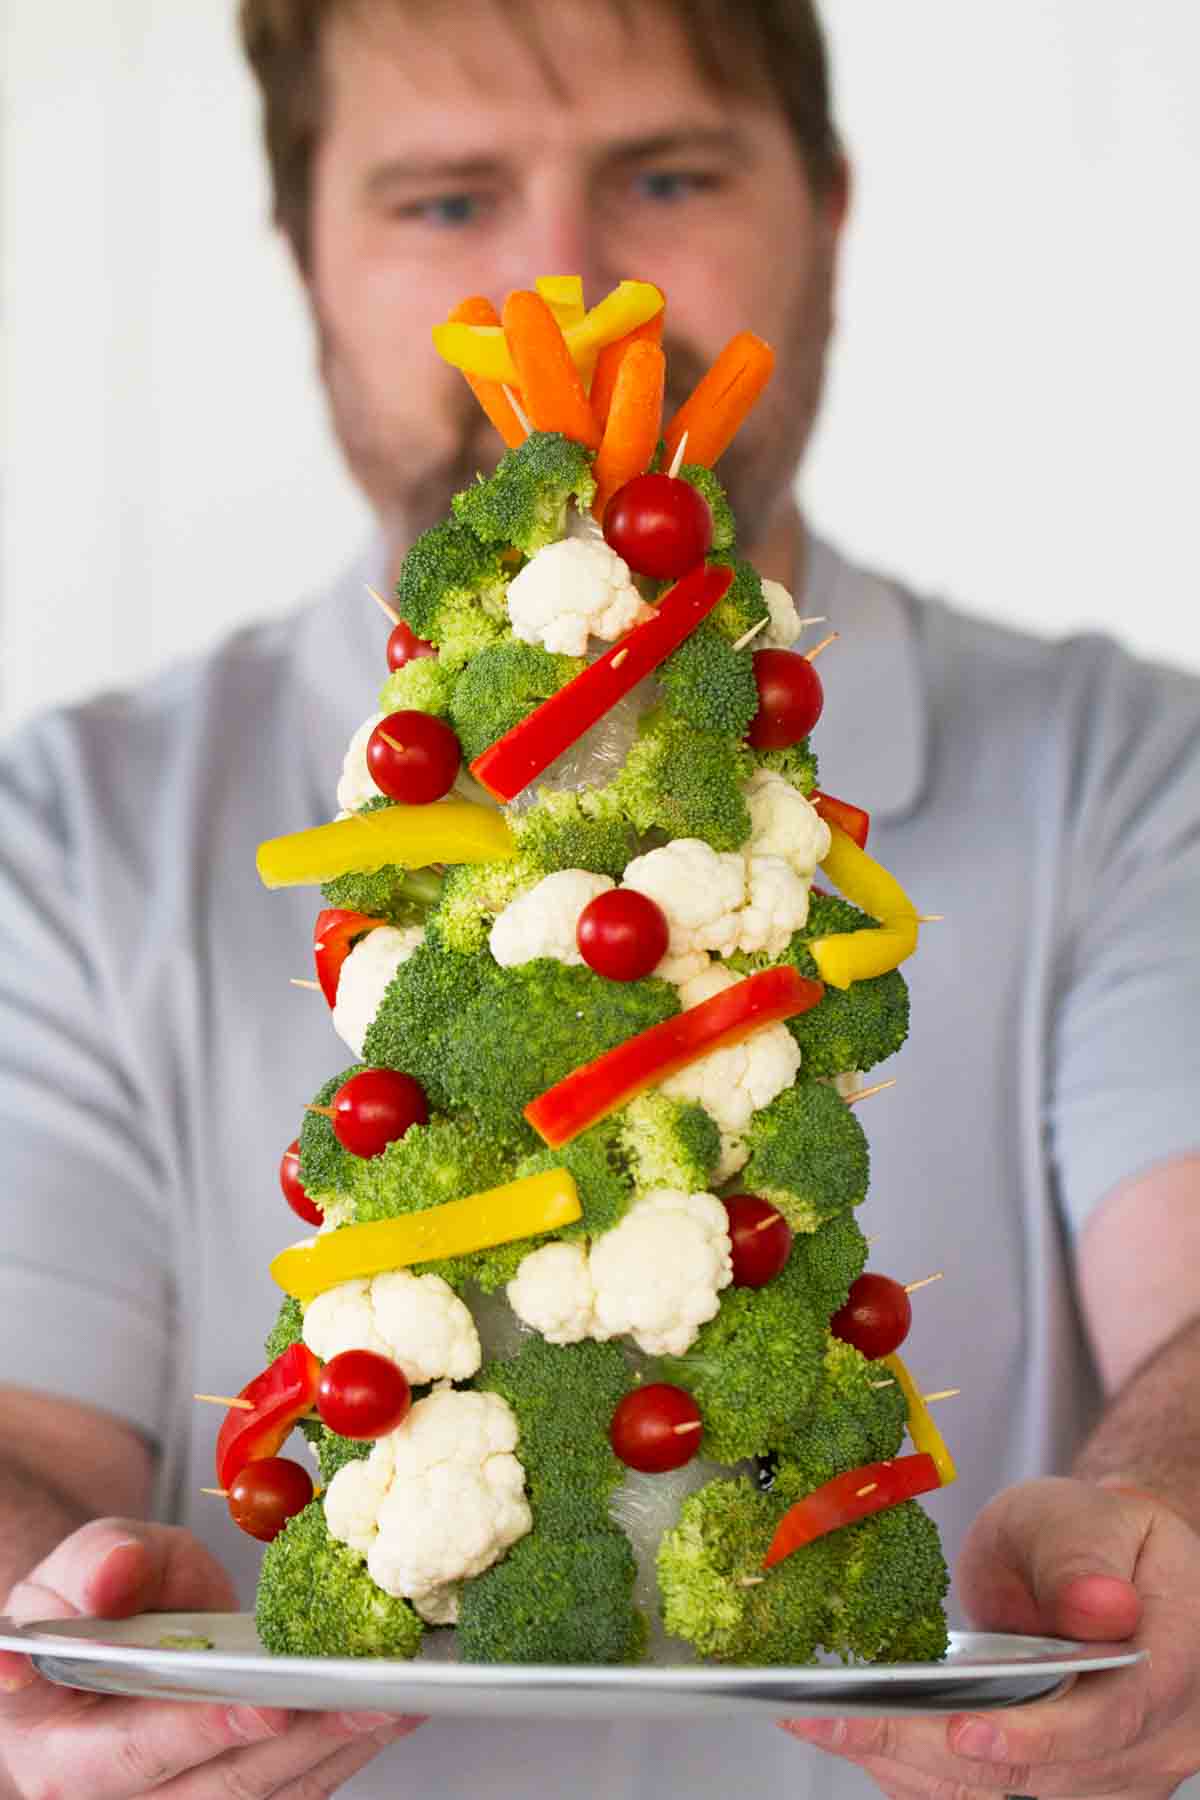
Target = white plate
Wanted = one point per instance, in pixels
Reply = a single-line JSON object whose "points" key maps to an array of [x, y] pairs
{"points": [[127, 1656]]}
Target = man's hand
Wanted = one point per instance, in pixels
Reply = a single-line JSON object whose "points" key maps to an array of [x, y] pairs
{"points": [[58, 1740], [1058, 1558]]}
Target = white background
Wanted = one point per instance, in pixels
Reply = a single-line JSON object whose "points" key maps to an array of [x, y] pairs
{"points": [[1012, 420]]}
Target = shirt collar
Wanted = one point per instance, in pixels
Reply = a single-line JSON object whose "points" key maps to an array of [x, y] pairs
{"points": [[872, 740]]}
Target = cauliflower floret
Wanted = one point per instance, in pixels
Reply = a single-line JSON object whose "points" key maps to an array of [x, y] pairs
{"points": [[357, 784], [571, 590], [702, 891], [784, 627], [552, 1291], [734, 1083], [657, 1274], [542, 921], [438, 1500], [416, 1321], [365, 976], [783, 823], [776, 907]]}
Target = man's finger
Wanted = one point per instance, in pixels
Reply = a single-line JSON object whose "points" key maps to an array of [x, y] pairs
{"points": [[319, 1752], [112, 1568]]}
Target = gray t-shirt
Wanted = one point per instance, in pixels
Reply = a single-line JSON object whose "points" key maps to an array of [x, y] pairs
{"points": [[154, 1060]]}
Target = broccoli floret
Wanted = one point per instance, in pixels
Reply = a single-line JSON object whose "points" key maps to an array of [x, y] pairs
{"points": [[334, 1452], [287, 1330], [423, 684], [575, 831], [401, 896], [886, 1600], [491, 1039], [669, 1143], [315, 1598], [686, 783], [472, 896], [555, 1600], [446, 1159], [743, 606], [325, 1167], [525, 502], [834, 1255], [709, 685], [594, 1161], [500, 687], [706, 483], [754, 1368], [452, 592], [797, 764], [848, 1422], [808, 1155]]}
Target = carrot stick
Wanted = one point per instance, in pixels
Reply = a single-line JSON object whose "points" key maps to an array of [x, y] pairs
{"points": [[610, 359], [554, 394], [490, 394], [634, 422], [720, 401]]}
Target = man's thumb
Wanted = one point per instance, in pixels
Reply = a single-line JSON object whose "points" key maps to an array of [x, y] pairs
{"points": [[112, 1568]]}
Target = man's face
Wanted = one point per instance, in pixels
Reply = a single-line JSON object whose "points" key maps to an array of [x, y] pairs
{"points": [[465, 155]]}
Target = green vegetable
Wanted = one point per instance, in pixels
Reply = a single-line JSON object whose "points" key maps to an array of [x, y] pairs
{"points": [[452, 592], [287, 1330], [183, 1640], [754, 1368], [472, 897], [447, 1159], [424, 684], [887, 1604], [500, 687], [525, 502], [491, 1039], [669, 1143], [605, 1193], [401, 896], [315, 1598], [334, 1452], [834, 1256], [848, 1422], [575, 831], [686, 783], [797, 764], [743, 606], [808, 1155], [325, 1168], [706, 483], [709, 685]]}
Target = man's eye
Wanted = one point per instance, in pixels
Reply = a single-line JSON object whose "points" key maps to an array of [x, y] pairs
{"points": [[445, 210], [667, 185]]}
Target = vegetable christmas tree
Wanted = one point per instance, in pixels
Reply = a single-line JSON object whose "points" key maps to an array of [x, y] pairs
{"points": [[584, 1345]]}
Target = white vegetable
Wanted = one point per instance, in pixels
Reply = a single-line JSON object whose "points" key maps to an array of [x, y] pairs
{"points": [[571, 590], [701, 891], [438, 1500], [365, 976], [357, 784], [416, 1321], [784, 627], [777, 906], [542, 921], [658, 1273], [552, 1291], [783, 823]]}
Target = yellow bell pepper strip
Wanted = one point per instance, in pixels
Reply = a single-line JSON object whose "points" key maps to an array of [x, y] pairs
{"points": [[517, 758], [483, 349], [519, 1209], [856, 955], [848, 1498], [600, 1087], [563, 294], [921, 1428], [409, 837]]}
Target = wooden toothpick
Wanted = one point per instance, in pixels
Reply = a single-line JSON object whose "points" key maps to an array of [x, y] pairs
{"points": [[866, 1093], [221, 1493], [861, 1493], [912, 1286], [930, 918], [751, 1580], [391, 743], [812, 655], [942, 1394], [298, 981], [326, 1112], [379, 600], [519, 410], [691, 1425], [677, 459], [748, 637], [618, 659], [225, 1400]]}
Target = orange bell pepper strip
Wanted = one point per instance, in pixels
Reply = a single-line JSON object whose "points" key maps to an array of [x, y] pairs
{"points": [[600, 1087], [634, 422], [718, 404], [555, 397], [609, 361], [490, 394], [848, 1498]]}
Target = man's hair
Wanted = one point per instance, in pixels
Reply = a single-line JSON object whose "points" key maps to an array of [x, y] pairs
{"points": [[776, 46]]}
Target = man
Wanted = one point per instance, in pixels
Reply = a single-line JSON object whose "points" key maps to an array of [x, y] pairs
{"points": [[1042, 1146]]}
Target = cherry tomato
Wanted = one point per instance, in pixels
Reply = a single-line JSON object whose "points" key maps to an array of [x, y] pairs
{"points": [[413, 757], [790, 699], [404, 646], [362, 1395], [622, 934], [876, 1317], [645, 1431], [761, 1239], [293, 1191], [266, 1494], [660, 524], [375, 1107]]}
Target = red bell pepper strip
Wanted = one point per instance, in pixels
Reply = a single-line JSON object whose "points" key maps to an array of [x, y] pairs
{"points": [[850, 1497], [591, 1093], [283, 1393], [517, 758], [334, 936], [853, 820]]}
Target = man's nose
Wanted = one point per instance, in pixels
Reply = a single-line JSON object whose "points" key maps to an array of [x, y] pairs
{"points": [[560, 237]]}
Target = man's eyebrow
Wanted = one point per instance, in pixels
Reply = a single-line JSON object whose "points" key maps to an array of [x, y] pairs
{"points": [[415, 171], [667, 143]]}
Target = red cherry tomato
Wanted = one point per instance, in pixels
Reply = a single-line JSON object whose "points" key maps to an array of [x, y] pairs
{"points": [[876, 1317], [660, 524], [404, 646], [413, 757], [293, 1190], [645, 1431], [790, 699], [622, 934], [362, 1395], [266, 1494], [375, 1107], [761, 1239]]}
